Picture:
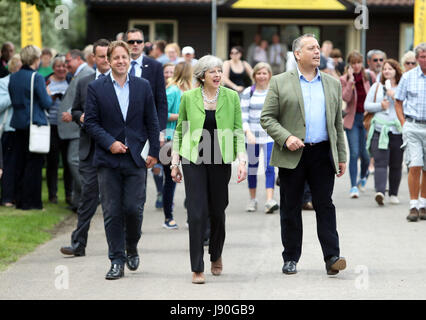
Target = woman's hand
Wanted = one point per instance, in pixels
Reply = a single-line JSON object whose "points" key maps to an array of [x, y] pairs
{"points": [[391, 94], [242, 171], [176, 175], [251, 139], [385, 104], [239, 89]]}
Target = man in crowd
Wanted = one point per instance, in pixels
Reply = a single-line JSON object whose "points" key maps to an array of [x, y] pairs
{"points": [[7, 52], [188, 55], [309, 145], [121, 118], [67, 129], [158, 51], [277, 55], [88, 175], [412, 116], [375, 59]]}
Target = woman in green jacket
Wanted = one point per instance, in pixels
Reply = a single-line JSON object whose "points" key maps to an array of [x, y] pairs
{"points": [[208, 138]]}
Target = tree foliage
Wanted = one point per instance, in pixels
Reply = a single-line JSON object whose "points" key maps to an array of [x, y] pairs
{"points": [[41, 4]]}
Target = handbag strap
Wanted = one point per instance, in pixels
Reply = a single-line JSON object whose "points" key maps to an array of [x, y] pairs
{"points": [[375, 93], [32, 97]]}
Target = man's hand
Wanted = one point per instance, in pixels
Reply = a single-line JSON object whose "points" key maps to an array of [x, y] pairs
{"points": [[294, 143], [66, 117], [150, 162], [118, 147], [82, 118], [342, 169]]}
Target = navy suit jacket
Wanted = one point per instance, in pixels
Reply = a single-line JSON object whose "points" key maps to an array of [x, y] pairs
{"points": [[152, 71], [104, 121]]}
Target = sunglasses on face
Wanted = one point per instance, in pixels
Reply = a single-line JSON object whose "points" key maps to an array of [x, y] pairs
{"points": [[409, 62], [375, 60], [134, 41]]}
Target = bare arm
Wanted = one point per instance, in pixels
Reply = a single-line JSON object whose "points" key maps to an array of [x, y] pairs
{"points": [[399, 111]]}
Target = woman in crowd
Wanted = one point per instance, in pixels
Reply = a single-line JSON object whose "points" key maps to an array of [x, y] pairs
{"points": [[28, 164], [409, 61], [172, 51], [252, 101], [384, 137], [8, 183], [177, 85], [208, 137], [57, 85], [236, 72], [355, 86]]}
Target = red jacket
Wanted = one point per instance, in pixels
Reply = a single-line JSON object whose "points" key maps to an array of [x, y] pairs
{"points": [[350, 97]]}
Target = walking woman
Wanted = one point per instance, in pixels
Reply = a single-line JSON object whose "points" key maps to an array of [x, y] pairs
{"points": [[237, 72], [29, 165], [208, 138], [178, 84], [385, 134], [356, 83], [252, 101]]}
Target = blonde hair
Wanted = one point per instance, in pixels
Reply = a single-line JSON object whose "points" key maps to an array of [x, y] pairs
{"points": [[116, 44], [14, 63], [182, 76], [173, 45], [259, 66], [406, 56], [30, 54]]}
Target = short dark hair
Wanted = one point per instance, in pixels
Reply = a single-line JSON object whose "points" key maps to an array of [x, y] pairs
{"points": [[77, 53], [100, 43], [46, 51], [132, 31], [161, 44]]}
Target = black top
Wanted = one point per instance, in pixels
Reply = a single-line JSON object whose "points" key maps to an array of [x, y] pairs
{"points": [[206, 150]]}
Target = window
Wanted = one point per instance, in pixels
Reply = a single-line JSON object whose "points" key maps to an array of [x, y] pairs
{"points": [[156, 29]]}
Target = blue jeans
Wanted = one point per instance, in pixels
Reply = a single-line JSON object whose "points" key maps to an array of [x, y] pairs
{"points": [[253, 151], [357, 149]]}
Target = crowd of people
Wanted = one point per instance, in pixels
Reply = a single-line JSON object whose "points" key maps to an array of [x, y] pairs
{"points": [[107, 103]]}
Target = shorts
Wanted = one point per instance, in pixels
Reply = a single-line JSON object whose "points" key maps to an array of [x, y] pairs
{"points": [[414, 144]]}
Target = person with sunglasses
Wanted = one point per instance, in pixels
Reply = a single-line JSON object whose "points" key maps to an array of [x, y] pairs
{"points": [[408, 61], [375, 59], [151, 70]]}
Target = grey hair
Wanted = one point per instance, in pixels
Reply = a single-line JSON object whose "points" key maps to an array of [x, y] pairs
{"points": [[204, 64], [58, 59], [297, 42], [371, 53], [30, 54], [420, 48]]}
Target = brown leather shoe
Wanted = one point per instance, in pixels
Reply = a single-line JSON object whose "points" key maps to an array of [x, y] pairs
{"points": [[422, 213], [217, 267], [308, 206], [414, 215], [198, 278]]}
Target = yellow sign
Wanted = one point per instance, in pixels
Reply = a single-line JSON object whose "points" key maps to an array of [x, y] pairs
{"points": [[289, 4], [30, 26], [419, 21]]}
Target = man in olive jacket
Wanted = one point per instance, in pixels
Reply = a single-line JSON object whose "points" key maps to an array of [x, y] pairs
{"points": [[303, 114]]}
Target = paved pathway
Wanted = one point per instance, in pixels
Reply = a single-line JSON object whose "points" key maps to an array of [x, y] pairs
{"points": [[386, 257]]}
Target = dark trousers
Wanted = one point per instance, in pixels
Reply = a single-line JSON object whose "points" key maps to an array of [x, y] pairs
{"points": [[387, 158], [123, 197], [57, 147], [316, 168], [29, 174], [89, 200], [8, 182], [206, 188], [168, 192]]}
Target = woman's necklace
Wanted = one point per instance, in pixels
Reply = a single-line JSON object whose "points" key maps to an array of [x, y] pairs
{"points": [[210, 101]]}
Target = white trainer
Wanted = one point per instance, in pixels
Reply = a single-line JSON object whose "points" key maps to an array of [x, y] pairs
{"points": [[394, 200], [252, 205]]}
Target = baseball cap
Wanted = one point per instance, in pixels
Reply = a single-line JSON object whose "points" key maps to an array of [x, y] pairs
{"points": [[188, 50]]}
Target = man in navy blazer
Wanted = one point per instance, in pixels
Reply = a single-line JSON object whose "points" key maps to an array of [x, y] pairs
{"points": [[120, 116]]}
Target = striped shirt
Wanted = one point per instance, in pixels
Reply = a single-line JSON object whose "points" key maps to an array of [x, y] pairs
{"points": [[251, 108], [412, 90]]}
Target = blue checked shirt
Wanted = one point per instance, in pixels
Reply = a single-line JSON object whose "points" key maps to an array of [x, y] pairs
{"points": [[412, 90]]}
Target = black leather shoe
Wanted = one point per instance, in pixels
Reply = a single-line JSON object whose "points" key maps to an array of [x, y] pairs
{"points": [[132, 261], [76, 249], [334, 265], [116, 272], [290, 267]]}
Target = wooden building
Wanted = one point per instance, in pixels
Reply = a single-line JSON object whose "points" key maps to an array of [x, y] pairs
{"points": [[188, 22]]}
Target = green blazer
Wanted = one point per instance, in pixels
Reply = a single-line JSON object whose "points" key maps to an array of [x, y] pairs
{"points": [[191, 122], [283, 115]]}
